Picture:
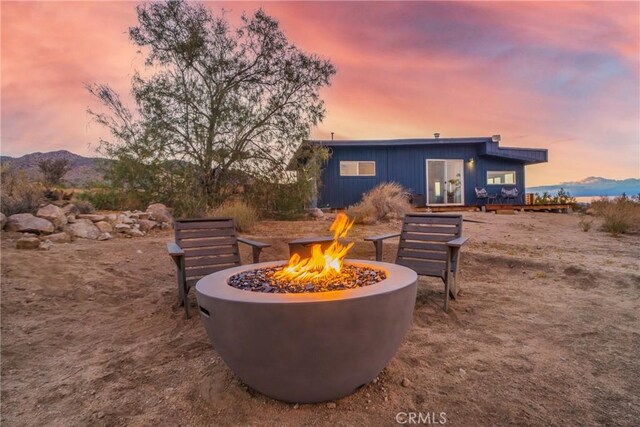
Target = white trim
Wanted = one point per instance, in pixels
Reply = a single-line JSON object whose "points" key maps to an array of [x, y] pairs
{"points": [[447, 178], [357, 162], [515, 178]]}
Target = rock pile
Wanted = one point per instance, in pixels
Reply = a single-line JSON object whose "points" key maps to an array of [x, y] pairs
{"points": [[54, 224]]}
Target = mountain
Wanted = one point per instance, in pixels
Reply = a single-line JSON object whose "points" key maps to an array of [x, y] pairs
{"points": [[83, 169], [593, 186]]}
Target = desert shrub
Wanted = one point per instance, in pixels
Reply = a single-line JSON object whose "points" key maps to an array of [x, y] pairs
{"points": [[619, 216], [561, 197], [84, 206], [278, 200], [244, 216], [382, 201], [362, 213], [17, 194], [585, 223], [53, 170], [105, 198]]}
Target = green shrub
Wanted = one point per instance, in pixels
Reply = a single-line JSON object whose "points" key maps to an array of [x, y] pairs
{"points": [[619, 216], [17, 194], [243, 215], [282, 201], [105, 198], [562, 197], [382, 201]]}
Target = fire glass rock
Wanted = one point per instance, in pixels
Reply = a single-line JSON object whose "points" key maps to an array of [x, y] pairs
{"points": [[263, 280]]}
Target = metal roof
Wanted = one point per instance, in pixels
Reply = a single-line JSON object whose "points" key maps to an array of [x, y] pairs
{"points": [[489, 146]]}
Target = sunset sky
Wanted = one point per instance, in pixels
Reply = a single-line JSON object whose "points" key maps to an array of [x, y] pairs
{"points": [[562, 76]]}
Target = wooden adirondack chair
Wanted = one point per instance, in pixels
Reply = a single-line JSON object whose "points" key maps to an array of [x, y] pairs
{"points": [[204, 246], [430, 245]]}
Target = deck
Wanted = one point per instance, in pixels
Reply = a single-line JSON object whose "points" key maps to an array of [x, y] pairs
{"points": [[501, 208]]}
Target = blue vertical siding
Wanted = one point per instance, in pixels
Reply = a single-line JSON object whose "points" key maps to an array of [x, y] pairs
{"points": [[495, 164], [407, 166]]}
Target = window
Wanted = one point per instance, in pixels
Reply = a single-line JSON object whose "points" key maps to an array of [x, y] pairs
{"points": [[357, 168], [501, 177]]}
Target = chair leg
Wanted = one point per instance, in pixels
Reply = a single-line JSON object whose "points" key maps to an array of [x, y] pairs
{"points": [[180, 293], [186, 301], [446, 292]]}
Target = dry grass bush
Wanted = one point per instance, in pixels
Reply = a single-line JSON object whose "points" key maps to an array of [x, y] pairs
{"points": [[245, 216], [17, 194], [383, 201], [362, 214], [619, 216], [585, 223]]}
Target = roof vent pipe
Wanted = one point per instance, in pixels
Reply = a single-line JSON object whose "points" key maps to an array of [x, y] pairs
{"points": [[436, 135], [332, 136]]}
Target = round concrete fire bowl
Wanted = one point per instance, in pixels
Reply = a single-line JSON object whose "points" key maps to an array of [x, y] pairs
{"points": [[308, 347]]}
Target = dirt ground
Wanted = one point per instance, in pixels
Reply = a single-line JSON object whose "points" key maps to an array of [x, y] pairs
{"points": [[546, 331]]}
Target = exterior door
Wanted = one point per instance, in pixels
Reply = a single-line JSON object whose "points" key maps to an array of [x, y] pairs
{"points": [[445, 182]]}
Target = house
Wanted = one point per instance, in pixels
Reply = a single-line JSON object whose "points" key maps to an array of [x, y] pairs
{"points": [[437, 171]]}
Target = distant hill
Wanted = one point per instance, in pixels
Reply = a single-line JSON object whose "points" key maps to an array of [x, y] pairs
{"points": [[593, 186], [83, 169]]}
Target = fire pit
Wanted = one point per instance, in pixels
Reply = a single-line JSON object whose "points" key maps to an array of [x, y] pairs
{"points": [[303, 345]]}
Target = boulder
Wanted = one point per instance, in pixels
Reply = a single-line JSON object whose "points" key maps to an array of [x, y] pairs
{"points": [[71, 209], [146, 224], [105, 236], [122, 227], [113, 218], [160, 213], [28, 243], [28, 222], [3, 220], [127, 220], [92, 217], [71, 218], [46, 245], [134, 232], [59, 237], [85, 229], [54, 214], [316, 213], [104, 226]]}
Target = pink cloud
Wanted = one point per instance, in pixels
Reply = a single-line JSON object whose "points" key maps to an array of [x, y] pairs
{"points": [[564, 76]]}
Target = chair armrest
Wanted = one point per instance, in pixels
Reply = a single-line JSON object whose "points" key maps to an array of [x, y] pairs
{"points": [[174, 249], [456, 243], [253, 243], [256, 247], [377, 242], [381, 237], [311, 240]]}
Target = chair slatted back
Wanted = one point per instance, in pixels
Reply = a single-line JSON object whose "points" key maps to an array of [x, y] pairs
{"points": [[209, 245], [423, 241]]}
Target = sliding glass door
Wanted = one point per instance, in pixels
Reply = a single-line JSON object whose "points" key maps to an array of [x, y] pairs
{"points": [[445, 182]]}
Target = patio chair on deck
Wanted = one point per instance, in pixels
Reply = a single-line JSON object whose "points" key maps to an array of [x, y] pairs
{"points": [[483, 194], [204, 246], [509, 194], [430, 245]]}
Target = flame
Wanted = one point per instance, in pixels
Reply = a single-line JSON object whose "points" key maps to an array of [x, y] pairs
{"points": [[321, 264]]}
